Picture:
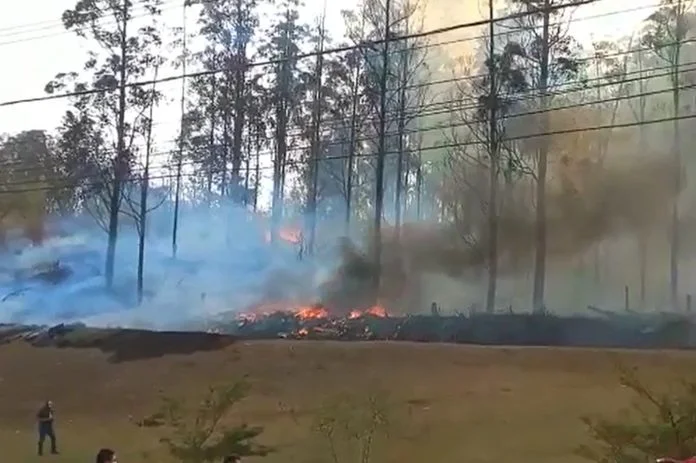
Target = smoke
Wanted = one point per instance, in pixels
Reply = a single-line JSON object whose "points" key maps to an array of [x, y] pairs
{"points": [[598, 224], [223, 264]]}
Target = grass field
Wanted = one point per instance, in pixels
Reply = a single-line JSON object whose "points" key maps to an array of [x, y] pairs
{"points": [[446, 403]]}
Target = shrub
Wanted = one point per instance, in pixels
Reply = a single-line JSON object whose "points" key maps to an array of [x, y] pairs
{"points": [[201, 435], [663, 425], [351, 426]]}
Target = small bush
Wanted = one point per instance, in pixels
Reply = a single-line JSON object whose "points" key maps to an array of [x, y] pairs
{"points": [[663, 425], [351, 426], [200, 435]]}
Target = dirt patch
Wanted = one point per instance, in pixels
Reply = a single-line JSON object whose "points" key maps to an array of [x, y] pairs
{"points": [[447, 403]]}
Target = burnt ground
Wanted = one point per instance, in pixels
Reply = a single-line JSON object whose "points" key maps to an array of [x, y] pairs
{"points": [[121, 345], [612, 330]]}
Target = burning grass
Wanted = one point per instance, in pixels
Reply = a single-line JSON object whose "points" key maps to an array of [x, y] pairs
{"points": [[445, 403]]}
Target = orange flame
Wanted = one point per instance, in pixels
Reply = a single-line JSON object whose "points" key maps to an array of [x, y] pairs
{"points": [[312, 313], [290, 235], [375, 311], [305, 312]]}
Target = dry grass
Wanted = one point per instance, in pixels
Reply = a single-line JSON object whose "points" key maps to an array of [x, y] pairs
{"points": [[449, 403]]}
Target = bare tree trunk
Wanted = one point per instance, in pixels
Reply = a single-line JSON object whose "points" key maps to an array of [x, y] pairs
{"points": [[247, 169], [350, 164], [351, 149], [675, 238], [419, 183], [541, 232], [401, 128], [493, 170], [240, 68], [676, 94], [315, 142], [121, 164], [224, 188], [281, 144], [643, 262], [257, 171], [142, 216], [179, 161], [597, 251], [381, 154], [211, 139], [642, 234]]}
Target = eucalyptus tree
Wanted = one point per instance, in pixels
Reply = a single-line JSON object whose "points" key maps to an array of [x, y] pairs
{"points": [[666, 31], [122, 54], [284, 42], [551, 57]]}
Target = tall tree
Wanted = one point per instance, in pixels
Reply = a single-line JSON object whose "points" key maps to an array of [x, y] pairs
{"points": [[494, 164], [639, 109], [125, 55], [144, 189], [550, 57], [411, 93], [180, 155], [665, 32], [283, 45], [480, 155], [315, 147], [381, 151]]}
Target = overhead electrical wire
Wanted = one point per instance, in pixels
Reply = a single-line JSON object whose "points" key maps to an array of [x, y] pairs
{"points": [[366, 44], [369, 155], [685, 68]]}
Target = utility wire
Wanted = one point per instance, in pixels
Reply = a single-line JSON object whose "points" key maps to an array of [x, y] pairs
{"points": [[38, 167], [444, 146], [366, 44]]}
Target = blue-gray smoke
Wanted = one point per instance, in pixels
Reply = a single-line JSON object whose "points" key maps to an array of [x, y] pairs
{"points": [[223, 264]]}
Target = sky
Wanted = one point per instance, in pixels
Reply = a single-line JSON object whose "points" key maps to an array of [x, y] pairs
{"points": [[34, 47]]}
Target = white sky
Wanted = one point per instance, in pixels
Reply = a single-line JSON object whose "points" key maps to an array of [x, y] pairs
{"points": [[34, 47]]}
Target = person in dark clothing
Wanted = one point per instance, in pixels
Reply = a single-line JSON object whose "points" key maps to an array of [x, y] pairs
{"points": [[106, 456], [45, 421]]}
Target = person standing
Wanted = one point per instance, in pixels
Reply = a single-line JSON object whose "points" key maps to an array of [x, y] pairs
{"points": [[45, 421]]}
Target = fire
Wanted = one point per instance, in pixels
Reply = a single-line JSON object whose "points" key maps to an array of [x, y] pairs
{"points": [[312, 312], [292, 235], [375, 311], [305, 312]]}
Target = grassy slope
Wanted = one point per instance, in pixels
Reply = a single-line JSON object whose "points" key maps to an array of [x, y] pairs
{"points": [[450, 403]]}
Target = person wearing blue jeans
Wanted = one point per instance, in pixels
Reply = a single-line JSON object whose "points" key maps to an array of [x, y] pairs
{"points": [[45, 421]]}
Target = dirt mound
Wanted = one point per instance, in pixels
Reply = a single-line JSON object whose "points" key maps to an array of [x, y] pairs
{"points": [[122, 345]]}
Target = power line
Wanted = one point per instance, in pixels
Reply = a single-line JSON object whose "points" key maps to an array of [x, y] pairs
{"points": [[26, 168], [579, 85], [342, 49], [108, 21], [293, 163]]}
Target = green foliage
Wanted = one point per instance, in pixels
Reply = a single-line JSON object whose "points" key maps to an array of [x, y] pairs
{"points": [[351, 426], [664, 425], [202, 435]]}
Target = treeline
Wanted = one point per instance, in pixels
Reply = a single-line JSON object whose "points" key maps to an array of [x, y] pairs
{"points": [[366, 133]]}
